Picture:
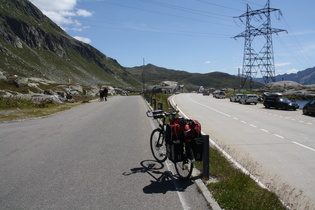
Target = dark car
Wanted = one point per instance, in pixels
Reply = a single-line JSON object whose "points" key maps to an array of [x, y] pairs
{"points": [[206, 93], [309, 107], [280, 102]]}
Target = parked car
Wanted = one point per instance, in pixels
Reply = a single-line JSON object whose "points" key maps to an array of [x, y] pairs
{"points": [[236, 97], [219, 94], [248, 99], [206, 93], [280, 102], [309, 107]]}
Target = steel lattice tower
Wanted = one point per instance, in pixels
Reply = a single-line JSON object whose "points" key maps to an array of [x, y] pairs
{"points": [[262, 61]]}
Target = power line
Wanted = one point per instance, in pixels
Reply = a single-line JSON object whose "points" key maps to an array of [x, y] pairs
{"points": [[162, 13], [218, 5], [296, 41], [262, 61], [189, 10], [128, 27]]}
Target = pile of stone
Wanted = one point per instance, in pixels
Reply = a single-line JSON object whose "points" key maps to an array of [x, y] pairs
{"points": [[291, 88], [46, 90]]}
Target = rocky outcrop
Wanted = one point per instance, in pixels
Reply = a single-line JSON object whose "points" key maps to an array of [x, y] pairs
{"points": [[38, 90], [291, 88]]}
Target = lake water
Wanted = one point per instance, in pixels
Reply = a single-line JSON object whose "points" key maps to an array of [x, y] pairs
{"points": [[301, 103]]}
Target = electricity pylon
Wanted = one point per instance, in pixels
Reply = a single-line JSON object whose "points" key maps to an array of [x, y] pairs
{"points": [[262, 61]]}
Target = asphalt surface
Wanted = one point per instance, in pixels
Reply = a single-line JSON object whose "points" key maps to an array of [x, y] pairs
{"points": [[94, 156], [277, 146]]}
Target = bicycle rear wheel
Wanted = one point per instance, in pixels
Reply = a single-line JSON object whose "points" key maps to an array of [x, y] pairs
{"points": [[184, 168], [157, 143]]}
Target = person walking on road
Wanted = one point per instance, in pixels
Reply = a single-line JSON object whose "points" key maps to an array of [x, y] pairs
{"points": [[101, 95], [105, 93]]}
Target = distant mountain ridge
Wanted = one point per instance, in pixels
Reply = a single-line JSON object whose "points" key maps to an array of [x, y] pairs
{"points": [[32, 45], [154, 75], [306, 77]]}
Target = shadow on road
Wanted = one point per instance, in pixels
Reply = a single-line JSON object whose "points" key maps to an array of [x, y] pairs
{"points": [[163, 181]]}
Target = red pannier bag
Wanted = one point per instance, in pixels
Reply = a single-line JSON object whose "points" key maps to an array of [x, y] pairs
{"points": [[174, 144], [192, 130], [192, 133], [174, 130]]}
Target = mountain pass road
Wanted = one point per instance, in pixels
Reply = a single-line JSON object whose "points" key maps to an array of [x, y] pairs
{"points": [[277, 146], [94, 156]]}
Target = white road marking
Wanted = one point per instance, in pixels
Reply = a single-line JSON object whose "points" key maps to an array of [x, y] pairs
{"points": [[294, 142], [210, 107], [279, 136], [264, 130], [254, 126], [178, 189]]}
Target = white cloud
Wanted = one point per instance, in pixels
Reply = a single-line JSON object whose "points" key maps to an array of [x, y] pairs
{"points": [[83, 13], [207, 62], [55, 5], [59, 18], [289, 71], [63, 12], [83, 39], [282, 64]]}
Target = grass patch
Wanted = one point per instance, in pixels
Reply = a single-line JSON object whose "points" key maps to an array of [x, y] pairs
{"points": [[236, 190], [20, 109]]}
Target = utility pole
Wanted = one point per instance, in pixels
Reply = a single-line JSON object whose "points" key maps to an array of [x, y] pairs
{"points": [[143, 77], [262, 61]]}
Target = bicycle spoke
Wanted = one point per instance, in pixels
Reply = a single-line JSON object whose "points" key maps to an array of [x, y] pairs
{"points": [[158, 147]]}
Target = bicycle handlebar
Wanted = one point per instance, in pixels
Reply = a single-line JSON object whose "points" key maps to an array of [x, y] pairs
{"points": [[164, 114]]}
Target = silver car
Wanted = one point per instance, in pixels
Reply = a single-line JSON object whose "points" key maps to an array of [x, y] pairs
{"points": [[236, 97], [248, 99]]}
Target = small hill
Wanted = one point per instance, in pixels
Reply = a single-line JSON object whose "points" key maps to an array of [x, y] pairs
{"points": [[154, 75]]}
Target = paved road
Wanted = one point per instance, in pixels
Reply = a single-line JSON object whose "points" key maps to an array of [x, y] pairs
{"points": [[94, 156], [277, 146]]}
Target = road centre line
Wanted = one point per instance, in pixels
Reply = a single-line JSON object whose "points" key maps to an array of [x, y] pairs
{"points": [[302, 145], [264, 130], [209, 107], [279, 136]]}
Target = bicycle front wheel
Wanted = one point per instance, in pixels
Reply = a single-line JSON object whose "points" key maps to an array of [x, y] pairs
{"points": [[184, 168], [157, 143]]}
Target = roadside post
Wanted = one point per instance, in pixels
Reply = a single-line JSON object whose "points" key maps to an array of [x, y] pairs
{"points": [[154, 103], [160, 106], [205, 159]]}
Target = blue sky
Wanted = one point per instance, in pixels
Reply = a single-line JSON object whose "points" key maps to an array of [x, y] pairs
{"points": [[190, 35]]}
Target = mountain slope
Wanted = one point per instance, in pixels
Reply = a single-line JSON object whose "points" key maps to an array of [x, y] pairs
{"points": [[306, 77], [31, 45]]}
